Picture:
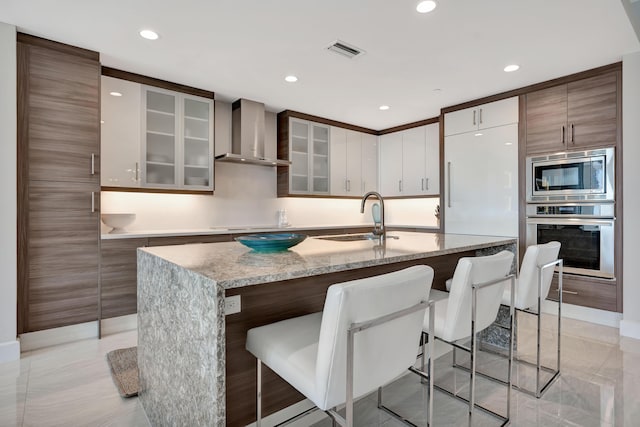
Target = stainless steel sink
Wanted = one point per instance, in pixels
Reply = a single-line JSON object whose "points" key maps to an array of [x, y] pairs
{"points": [[353, 237], [348, 237]]}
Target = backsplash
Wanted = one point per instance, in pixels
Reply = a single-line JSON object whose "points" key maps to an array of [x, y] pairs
{"points": [[246, 195]]}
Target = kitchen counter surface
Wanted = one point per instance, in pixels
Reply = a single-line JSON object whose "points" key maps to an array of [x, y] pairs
{"points": [[241, 230], [193, 365], [232, 265]]}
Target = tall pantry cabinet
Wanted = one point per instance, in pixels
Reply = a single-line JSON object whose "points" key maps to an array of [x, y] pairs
{"points": [[58, 184]]}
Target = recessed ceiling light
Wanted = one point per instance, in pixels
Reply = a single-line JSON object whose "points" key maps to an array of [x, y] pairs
{"points": [[478, 134], [508, 143], [510, 68], [291, 79], [384, 107], [115, 94], [426, 6], [149, 35]]}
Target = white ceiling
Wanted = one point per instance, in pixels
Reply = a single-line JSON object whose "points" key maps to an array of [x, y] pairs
{"points": [[246, 48]]}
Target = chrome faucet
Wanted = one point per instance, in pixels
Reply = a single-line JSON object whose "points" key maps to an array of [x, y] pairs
{"points": [[379, 231]]}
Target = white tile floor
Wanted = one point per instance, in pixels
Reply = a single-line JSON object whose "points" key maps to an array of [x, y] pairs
{"points": [[70, 385]]}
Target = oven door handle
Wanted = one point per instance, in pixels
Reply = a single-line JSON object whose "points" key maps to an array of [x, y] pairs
{"points": [[581, 221]]}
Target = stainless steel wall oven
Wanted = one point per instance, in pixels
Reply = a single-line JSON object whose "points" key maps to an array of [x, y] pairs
{"points": [[585, 231]]}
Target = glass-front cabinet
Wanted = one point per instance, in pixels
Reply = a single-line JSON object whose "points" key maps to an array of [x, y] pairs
{"points": [[177, 141], [309, 155]]}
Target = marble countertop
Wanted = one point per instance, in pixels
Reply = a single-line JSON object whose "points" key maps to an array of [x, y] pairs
{"points": [[233, 265], [238, 229]]}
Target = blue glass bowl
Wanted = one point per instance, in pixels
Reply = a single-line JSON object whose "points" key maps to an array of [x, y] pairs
{"points": [[271, 242]]}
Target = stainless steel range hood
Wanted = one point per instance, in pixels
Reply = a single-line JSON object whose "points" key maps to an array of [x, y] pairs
{"points": [[248, 136]]}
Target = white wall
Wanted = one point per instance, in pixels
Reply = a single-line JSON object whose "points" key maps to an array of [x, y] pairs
{"points": [[246, 195], [630, 324], [9, 347]]}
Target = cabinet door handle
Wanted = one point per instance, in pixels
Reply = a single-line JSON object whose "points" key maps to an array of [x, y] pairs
{"points": [[567, 292], [426, 181], [137, 172], [474, 117], [573, 134], [562, 134], [400, 186], [93, 163], [422, 181], [449, 182], [481, 116], [93, 202], [349, 185]]}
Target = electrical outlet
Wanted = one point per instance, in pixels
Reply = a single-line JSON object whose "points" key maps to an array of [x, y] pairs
{"points": [[232, 305]]}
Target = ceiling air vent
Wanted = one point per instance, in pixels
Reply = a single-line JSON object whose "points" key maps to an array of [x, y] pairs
{"points": [[345, 49]]}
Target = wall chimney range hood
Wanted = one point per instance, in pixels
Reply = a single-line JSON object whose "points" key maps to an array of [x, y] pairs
{"points": [[248, 136]]}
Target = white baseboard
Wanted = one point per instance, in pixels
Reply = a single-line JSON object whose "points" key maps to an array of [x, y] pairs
{"points": [[630, 328], [9, 351], [586, 314], [119, 324], [66, 334]]}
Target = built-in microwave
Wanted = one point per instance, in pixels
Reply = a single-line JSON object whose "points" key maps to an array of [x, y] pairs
{"points": [[571, 176]]}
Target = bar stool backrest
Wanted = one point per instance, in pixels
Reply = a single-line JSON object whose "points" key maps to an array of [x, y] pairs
{"points": [[382, 352], [470, 271], [527, 289]]}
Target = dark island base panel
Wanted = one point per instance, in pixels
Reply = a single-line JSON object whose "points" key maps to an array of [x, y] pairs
{"points": [[262, 305]]}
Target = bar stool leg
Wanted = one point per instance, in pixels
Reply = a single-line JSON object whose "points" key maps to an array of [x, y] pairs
{"points": [[259, 393]]}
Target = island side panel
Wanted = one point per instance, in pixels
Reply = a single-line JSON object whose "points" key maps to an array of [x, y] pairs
{"points": [[180, 345], [268, 303]]}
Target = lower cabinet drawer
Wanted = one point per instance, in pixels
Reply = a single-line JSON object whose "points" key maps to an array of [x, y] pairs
{"points": [[586, 291]]}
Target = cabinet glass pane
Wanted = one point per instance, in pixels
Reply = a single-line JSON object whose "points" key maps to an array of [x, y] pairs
{"points": [[321, 133], [299, 145], [299, 164], [160, 174], [320, 147], [161, 123], [161, 102], [300, 130], [196, 109], [299, 184], [321, 185]]}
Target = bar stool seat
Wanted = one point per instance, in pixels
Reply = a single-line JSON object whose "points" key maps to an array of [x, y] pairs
{"points": [[366, 336]]}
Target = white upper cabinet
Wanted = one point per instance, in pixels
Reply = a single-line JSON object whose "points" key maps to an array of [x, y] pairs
{"points": [[391, 164], [369, 158], [409, 162], [346, 162], [309, 156], [177, 140], [120, 133], [485, 116]]}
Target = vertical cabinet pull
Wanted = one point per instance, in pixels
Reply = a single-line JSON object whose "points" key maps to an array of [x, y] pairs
{"points": [[349, 185], [93, 202], [474, 117], [137, 172], [426, 181], [573, 134], [422, 181], [562, 134], [400, 186], [481, 116], [449, 182], [93, 163]]}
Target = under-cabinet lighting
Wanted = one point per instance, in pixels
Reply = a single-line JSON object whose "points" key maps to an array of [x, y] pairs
{"points": [[511, 68], [426, 6], [291, 79], [149, 34], [384, 107], [115, 94]]}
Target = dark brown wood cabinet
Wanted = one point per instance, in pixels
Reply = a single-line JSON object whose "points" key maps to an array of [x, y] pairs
{"points": [[580, 114], [58, 184], [119, 275]]}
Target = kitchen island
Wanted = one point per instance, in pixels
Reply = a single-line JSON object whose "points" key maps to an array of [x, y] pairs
{"points": [[193, 367]]}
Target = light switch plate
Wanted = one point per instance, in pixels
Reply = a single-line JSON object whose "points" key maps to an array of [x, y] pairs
{"points": [[232, 305]]}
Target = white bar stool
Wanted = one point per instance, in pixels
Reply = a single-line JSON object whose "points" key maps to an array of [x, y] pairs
{"points": [[477, 287], [373, 324]]}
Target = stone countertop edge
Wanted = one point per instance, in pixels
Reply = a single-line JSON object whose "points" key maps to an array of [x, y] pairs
{"points": [[240, 230], [334, 268]]}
